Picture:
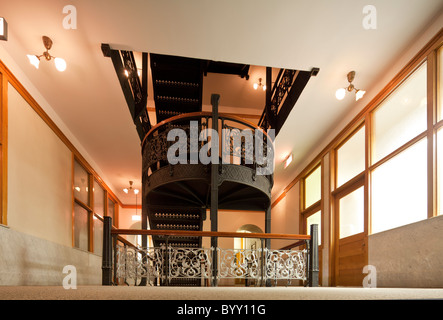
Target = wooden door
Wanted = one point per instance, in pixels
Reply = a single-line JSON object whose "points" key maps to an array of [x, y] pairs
{"points": [[350, 235]]}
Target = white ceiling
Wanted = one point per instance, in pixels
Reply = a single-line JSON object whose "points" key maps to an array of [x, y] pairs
{"points": [[293, 34]]}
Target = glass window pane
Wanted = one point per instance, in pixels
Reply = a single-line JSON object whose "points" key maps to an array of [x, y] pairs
{"points": [[81, 234], [314, 219], [111, 211], [399, 189], [99, 199], [351, 157], [401, 117], [352, 213], [440, 82], [313, 187], [440, 170], [98, 236], [80, 183]]}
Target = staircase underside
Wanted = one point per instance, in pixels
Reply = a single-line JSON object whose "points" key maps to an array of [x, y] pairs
{"points": [[178, 196]]}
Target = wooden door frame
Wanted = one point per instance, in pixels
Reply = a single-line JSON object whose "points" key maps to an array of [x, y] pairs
{"points": [[344, 190]]}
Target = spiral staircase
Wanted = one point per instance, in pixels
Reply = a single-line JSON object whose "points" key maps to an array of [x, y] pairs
{"points": [[179, 196]]}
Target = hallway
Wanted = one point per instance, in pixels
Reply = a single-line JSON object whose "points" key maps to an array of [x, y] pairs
{"points": [[211, 293]]}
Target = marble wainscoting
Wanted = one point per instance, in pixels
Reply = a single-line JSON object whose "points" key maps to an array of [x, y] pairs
{"points": [[28, 260]]}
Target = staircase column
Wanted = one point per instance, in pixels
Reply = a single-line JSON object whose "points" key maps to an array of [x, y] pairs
{"points": [[268, 230], [214, 190]]}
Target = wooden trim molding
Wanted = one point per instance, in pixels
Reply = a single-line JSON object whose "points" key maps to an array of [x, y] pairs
{"points": [[3, 148], [9, 77]]}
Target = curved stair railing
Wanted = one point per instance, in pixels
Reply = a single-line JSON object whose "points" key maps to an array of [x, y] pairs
{"points": [[204, 160], [127, 264]]}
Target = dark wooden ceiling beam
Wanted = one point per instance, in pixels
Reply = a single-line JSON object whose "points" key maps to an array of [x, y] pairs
{"points": [[135, 93]]}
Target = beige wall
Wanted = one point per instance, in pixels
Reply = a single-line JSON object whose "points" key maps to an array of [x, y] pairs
{"points": [[285, 216], [231, 221], [410, 256], [37, 241], [39, 175]]}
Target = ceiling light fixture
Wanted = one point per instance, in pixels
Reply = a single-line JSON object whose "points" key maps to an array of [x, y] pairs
{"points": [[340, 93], [259, 84], [126, 190], [60, 63], [135, 217]]}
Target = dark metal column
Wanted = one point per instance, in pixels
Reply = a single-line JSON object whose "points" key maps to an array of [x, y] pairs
{"points": [[214, 188], [313, 257], [144, 225], [107, 252], [268, 230]]}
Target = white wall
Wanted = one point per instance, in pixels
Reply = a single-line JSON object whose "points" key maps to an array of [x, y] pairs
{"points": [[39, 175], [285, 216], [37, 241]]}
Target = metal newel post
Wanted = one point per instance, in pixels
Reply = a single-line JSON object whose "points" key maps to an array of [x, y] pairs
{"points": [[214, 186], [107, 252], [313, 257]]}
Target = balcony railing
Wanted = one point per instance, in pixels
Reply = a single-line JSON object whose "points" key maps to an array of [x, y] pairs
{"points": [[124, 263], [208, 137]]}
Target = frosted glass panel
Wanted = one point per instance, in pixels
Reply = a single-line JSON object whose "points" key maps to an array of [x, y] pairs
{"points": [[440, 82], [313, 187], [81, 240], [399, 189], [440, 171], [401, 117], [351, 157], [81, 183], [352, 213], [111, 212], [315, 219], [98, 236], [99, 199]]}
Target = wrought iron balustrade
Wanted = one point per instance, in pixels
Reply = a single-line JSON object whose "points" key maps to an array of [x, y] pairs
{"points": [[239, 142], [162, 265]]}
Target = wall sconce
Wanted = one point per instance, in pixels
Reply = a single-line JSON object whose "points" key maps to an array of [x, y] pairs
{"points": [[340, 93], [3, 29], [259, 84], [60, 63]]}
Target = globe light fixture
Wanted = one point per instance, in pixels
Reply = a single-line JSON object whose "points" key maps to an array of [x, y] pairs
{"points": [[60, 64], [341, 93]]}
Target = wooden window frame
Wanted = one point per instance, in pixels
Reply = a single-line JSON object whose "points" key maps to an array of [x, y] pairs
{"points": [[87, 206], [90, 207], [3, 147]]}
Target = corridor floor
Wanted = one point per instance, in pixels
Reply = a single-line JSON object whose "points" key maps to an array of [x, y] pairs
{"points": [[210, 293]]}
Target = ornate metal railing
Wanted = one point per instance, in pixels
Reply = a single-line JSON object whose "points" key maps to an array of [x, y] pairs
{"points": [[124, 263], [200, 134]]}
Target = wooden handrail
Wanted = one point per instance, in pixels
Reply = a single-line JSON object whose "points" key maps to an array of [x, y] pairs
{"points": [[185, 233]]}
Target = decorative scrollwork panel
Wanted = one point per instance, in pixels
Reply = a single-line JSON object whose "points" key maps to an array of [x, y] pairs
{"points": [[240, 264], [286, 264], [190, 263]]}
